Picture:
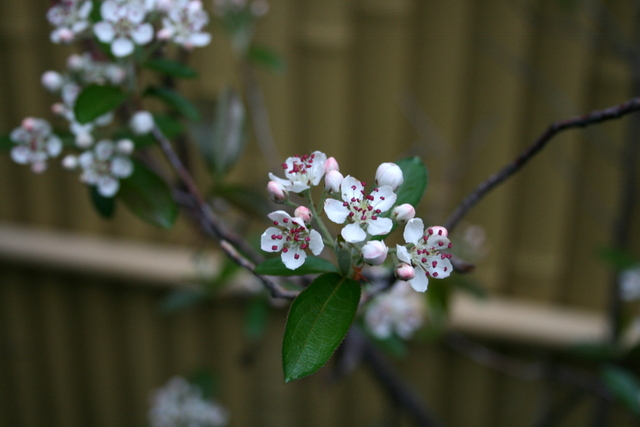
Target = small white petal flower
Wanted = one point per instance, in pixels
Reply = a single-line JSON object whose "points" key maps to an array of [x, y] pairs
{"points": [[123, 26], [360, 210], [290, 236], [104, 166], [52, 81], [183, 24], [70, 18], [374, 252], [403, 213], [302, 171], [423, 253], [398, 311], [34, 144], [332, 181], [389, 174]]}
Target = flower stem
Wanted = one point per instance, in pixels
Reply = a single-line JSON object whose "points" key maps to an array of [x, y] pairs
{"points": [[326, 236]]}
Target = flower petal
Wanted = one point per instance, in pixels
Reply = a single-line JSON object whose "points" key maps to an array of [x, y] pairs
{"points": [[335, 210], [384, 198], [420, 282], [142, 34], [317, 170], [352, 233], [280, 217], [104, 31], [436, 242], [403, 254], [122, 47], [413, 231], [267, 244], [351, 188], [315, 244], [438, 267], [293, 258], [379, 226]]}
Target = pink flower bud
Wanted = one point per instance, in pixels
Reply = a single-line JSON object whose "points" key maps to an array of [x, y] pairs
{"points": [[403, 213], [374, 252], [332, 181], [438, 230], [52, 81], [389, 174], [405, 272], [164, 34], [303, 213], [29, 123], [331, 165], [58, 108], [276, 191]]}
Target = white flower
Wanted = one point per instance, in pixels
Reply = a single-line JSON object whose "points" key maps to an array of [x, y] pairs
{"points": [[405, 272], [52, 81], [403, 213], [291, 236], [362, 211], [180, 403], [374, 252], [123, 26], [302, 171], [398, 311], [104, 166], [86, 70], [389, 174], [34, 144], [70, 17], [183, 24], [331, 165], [141, 122], [424, 253]]}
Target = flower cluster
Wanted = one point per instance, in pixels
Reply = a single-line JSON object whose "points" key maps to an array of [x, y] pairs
{"points": [[399, 311], [180, 403], [366, 216]]}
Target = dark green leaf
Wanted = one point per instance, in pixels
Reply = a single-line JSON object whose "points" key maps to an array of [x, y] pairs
{"points": [[624, 386], [171, 68], [312, 265], [149, 197], [106, 206], [6, 144], [206, 381], [174, 100], [318, 321], [261, 55], [245, 198], [617, 258], [415, 181], [256, 318], [343, 253], [595, 352], [96, 100]]}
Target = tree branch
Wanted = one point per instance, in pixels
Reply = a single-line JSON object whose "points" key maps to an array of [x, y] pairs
{"points": [[494, 180]]}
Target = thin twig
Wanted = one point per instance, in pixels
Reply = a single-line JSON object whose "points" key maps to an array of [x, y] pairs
{"points": [[576, 122]]}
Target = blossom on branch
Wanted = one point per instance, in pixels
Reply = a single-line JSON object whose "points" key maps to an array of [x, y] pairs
{"points": [[123, 26], [362, 211], [423, 253], [398, 311], [301, 172], [35, 143], [105, 165], [183, 24], [70, 17], [290, 236]]}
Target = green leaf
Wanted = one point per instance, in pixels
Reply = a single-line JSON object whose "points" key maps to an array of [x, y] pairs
{"points": [[206, 381], [617, 258], [256, 318], [266, 57], [318, 321], [96, 100], [148, 197], [595, 352], [624, 386], [312, 265], [470, 286], [6, 143], [106, 206], [415, 181], [246, 198], [171, 68], [174, 100]]}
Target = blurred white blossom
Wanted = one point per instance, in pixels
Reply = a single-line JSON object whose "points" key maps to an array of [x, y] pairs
{"points": [[104, 166], [180, 403], [183, 24], [630, 284], [399, 311], [123, 26], [34, 144], [70, 17]]}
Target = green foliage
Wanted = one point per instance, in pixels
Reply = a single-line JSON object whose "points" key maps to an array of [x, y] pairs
{"points": [[416, 177], [318, 321], [469, 285], [174, 100], [97, 100], [256, 318], [183, 298], [618, 259], [266, 57], [623, 385], [596, 352], [245, 198], [171, 68], [312, 265], [105, 206], [148, 197], [6, 144]]}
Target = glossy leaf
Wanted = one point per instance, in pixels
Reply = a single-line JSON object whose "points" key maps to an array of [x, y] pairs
{"points": [[171, 68], [97, 100], [318, 321], [312, 265], [624, 386], [106, 206], [148, 197], [175, 100], [263, 56], [415, 181]]}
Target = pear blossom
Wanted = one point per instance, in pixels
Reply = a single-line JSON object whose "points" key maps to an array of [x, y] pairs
{"points": [[332, 181], [399, 311], [84, 69], [123, 26], [303, 213], [276, 191], [361, 211], [331, 165], [35, 143], [290, 236], [405, 272], [70, 17], [389, 174], [183, 24], [302, 171], [52, 81], [423, 253], [374, 252], [403, 213], [104, 166]]}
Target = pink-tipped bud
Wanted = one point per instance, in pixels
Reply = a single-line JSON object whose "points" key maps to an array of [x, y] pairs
{"points": [[374, 252], [332, 181], [303, 213], [405, 272], [403, 213], [389, 174], [66, 35], [331, 165], [438, 231], [58, 108], [277, 192], [29, 123], [164, 34], [52, 81]]}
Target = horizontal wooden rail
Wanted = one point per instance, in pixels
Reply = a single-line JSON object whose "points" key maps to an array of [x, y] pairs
{"points": [[510, 319]]}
